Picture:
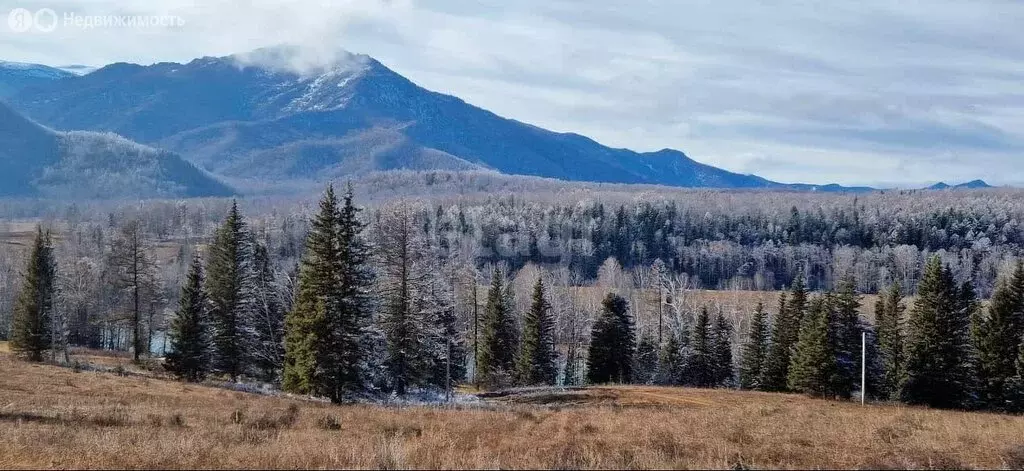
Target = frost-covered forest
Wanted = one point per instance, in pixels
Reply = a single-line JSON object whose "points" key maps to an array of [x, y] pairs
{"points": [[457, 273]]}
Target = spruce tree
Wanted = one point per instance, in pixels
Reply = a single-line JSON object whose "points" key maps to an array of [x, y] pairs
{"points": [[536, 361], [327, 332], [451, 364], [645, 362], [190, 348], [754, 350], [31, 329], [346, 351], [722, 365], [846, 334], [700, 365], [497, 352], [938, 351], [228, 273], [785, 333], [612, 343], [889, 328], [997, 338], [671, 362], [306, 326], [814, 368]]}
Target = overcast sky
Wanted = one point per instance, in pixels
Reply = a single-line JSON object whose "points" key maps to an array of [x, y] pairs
{"points": [[864, 92]]}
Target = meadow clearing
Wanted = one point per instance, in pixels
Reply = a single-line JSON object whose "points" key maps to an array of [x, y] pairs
{"points": [[55, 417]]}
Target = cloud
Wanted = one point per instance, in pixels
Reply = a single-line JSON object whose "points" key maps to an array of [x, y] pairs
{"points": [[798, 91]]}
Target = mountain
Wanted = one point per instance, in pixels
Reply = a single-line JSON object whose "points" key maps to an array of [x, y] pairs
{"points": [[971, 185], [38, 162], [15, 76], [249, 117]]}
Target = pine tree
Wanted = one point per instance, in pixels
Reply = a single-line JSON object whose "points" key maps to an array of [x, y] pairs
{"points": [[536, 361], [938, 351], [190, 348], [497, 352], [997, 339], [228, 273], [722, 363], [31, 329], [813, 369], [889, 327], [612, 343], [846, 333], [785, 333], [754, 350]]}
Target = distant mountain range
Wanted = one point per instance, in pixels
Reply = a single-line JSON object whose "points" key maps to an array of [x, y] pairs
{"points": [[971, 185], [40, 162], [15, 76], [252, 122]]}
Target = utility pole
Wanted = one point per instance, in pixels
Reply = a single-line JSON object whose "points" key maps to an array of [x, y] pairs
{"points": [[661, 309], [448, 373], [476, 332], [863, 367]]}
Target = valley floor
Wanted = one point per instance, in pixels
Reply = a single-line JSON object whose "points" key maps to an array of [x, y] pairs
{"points": [[54, 417]]}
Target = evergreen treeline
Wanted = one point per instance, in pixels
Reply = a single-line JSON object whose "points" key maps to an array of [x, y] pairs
{"points": [[945, 351], [365, 316]]}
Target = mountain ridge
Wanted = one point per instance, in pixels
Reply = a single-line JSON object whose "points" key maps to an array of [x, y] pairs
{"points": [[331, 121], [82, 164]]}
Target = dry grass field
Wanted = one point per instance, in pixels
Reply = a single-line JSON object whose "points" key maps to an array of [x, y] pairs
{"points": [[52, 417]]}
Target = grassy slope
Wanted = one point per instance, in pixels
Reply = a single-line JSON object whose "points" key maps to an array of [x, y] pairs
{"points": [[54, 417]]}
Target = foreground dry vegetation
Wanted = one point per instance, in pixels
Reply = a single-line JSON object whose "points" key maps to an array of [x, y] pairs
{"points": [[55, 417]]}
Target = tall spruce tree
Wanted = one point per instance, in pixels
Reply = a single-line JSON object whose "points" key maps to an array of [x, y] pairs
{"points": [[327, 331], [846, 335], [346, 350], [785, 333], [228, 278], [889, 329], [612, 343], [306, 326], [722, 365], [190, 347], [31, 321], [997, 338], [498, 344], [536, 362], [814, 368], [938, 351], [700, 365], [754, 350]]}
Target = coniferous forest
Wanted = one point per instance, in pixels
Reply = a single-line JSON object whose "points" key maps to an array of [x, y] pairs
{"points": [[349, 301]]}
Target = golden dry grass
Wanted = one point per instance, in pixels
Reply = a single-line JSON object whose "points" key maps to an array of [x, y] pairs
{"points": [[54, 417]]}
